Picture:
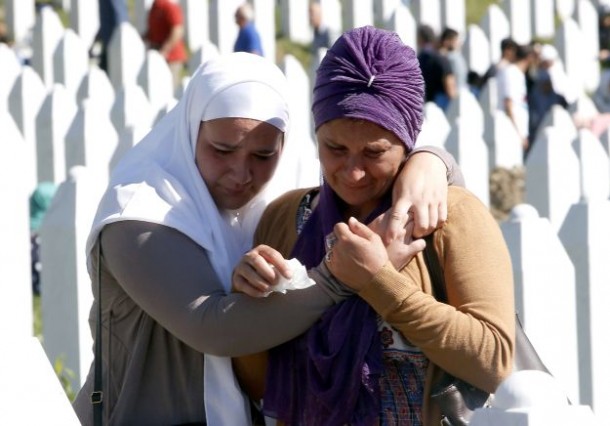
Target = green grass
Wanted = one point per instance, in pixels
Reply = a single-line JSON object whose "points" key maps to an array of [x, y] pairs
{"points": [[475, 9]]}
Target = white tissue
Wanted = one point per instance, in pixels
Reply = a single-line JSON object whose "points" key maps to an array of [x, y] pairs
{"points": [[299, 279]]}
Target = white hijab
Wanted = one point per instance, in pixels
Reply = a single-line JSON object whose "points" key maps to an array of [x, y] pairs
{"points": [[158, 181]]}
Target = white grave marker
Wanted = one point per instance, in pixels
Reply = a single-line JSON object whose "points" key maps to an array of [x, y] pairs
{"points": [[518, 15], [85, 20], [30, 392], [552, 182], [428, 12], [52, 124], [496, 26], [126, 53], [357, 13], [65, 283], [96, 86], [294, 24], [453, 15], [476, 50], [156, 80], [196, 23], [25, 101], [20, 19], [15, 262], [541, 266], [542, 14], [70, 62], [585, 235], [48, 32]]}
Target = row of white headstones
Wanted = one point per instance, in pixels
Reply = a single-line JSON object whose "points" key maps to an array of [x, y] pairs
{"points": [[66, 121]]}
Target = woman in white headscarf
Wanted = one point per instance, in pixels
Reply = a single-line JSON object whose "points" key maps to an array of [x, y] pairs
{"points": [[179, 212]]}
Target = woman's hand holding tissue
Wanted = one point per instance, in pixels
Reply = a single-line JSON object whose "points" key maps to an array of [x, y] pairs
{"points": [[259, 270]]}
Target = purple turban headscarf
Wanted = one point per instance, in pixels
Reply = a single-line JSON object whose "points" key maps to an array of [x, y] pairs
{"points": [[330, 375], [371, 74]]}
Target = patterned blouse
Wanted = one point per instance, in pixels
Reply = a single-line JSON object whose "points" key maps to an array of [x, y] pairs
{"points": [[404, 373]]}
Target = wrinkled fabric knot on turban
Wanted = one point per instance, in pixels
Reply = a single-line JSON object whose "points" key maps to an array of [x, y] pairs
{"points": [[371, 74]]}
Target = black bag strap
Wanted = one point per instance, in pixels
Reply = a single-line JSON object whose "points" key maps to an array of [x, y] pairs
{"points": [[97, 396], [434, 269]]}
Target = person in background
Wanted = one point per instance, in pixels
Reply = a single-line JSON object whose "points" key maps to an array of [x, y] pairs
{"points": [[248, 38], [508, 49], [543, 94], [440, 81], [112, 14], [373, 358], [321, 33], [512, 92], [450, 47], [40, 200], [604, 35], [178, 214], [165, 33]]}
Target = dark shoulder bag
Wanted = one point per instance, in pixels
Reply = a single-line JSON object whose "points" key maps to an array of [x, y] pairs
{"points": [[456, 398]]}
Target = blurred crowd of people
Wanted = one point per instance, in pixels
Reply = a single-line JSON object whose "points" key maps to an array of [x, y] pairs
{"points": [[530, 79]]}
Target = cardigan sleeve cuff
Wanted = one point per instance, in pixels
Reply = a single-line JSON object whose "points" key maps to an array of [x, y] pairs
{"points": [[387, 290]]}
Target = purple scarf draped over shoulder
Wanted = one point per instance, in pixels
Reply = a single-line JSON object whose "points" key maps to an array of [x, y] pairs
{"points": [[330, 374]]}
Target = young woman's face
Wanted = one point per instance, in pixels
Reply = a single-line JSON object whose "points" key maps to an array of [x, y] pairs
{"points": [[360, 161], [236, 157]]}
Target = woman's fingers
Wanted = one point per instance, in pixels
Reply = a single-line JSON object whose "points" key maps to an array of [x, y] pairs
{"points": [[258, 270]]}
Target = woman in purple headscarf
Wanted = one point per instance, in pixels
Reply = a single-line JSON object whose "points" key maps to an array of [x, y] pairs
{"points": [[373, 358]]}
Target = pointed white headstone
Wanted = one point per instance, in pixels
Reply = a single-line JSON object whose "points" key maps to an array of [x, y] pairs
{"points": [[15, 261], [20, 18], [96, 86], [128, 138], [466, 105], [25, 101], [48, 32], [205, 53], [552, 182], [470, 151], [65, 284], [518, 15], [541, 266], [503, 141], [294, 24], [402, 22], [126, 53], [156, 80], [453, 15], [435, 128], [587, 19], [542, 14], [52, 124], [496, 27], [91, 141], [85, 20], [264, 19], [11, 68], [593, 166], [131, 108], [27, 375], [428, 12], [196, 23], [585, 235], [357, 13], [476, 50], [569, 41], [70, 62]]}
